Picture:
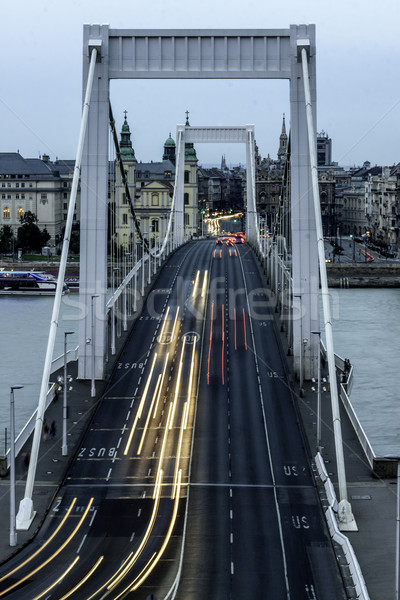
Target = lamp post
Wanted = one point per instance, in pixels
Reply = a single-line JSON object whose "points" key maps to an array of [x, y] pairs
{"points": [[13, 533], [318, 333], [64, 448], [93, 388]]}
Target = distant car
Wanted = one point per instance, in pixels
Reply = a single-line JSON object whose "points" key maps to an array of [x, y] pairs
{"points": [[218, 241]]}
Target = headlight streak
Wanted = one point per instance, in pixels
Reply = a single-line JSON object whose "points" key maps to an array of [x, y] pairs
{"points": [[178, 383], [161, 384], [164, 323], [149, 414], [107, 582], [140, 409], [234, 326], [60, 549], [159, 470], [223, 345], [178, 454], [209, 349], [204, 286], [84, 580], [195, 284], [129, 565], [189, 393], [244, 329], [46, 543], [71, 566], [154, 560], [175, 321]]}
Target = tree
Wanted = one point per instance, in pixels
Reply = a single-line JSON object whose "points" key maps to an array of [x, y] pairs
{"points": [[30, 237], [6, 238]]}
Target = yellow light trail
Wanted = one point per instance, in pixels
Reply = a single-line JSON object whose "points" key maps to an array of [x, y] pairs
{"points": [[178, 383], [60, 549], [139, 412], [159, 470], [71, 566], [164, 323], [189, 393], [204, 287], [46, 543], [175, 321], [87, 576], [178, 455], [146, 536], [196, 283], [149, 414], [107, 582], [138, 582], [161, 384]]}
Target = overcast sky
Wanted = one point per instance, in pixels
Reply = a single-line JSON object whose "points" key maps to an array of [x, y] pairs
{"points": [[358, 83]]}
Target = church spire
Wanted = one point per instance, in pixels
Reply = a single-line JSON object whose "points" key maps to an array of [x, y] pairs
{"points": [[283, 141], [125, 145]]}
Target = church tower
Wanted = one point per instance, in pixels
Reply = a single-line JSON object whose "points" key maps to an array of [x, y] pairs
{"points": [[121, 212], [283, 142], [170, 150], [191, 187]]}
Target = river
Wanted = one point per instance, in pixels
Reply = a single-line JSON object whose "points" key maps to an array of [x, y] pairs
{"points": [[365, 329]]}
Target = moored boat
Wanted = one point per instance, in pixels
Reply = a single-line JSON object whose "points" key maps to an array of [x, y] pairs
{"points": [[28, 283]]}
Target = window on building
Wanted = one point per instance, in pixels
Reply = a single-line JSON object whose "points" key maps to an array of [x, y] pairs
{"points": [[186, 199], [186, 219], [147, 174], [154, 225], [155, 201], [186, 176], [65, 184], [65, 205], [65, 195], [167, 174], [20, 212], [124, 218], [22, 184], [17, 196], [6, 212], [124, 200], [3, 196], [43, 196], [22, 196]]}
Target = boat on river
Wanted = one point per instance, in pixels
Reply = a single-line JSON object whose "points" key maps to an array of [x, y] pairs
{"points": [[28, 283]]}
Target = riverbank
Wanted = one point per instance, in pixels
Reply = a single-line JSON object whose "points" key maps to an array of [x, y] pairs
{"points": [[363, 275]]}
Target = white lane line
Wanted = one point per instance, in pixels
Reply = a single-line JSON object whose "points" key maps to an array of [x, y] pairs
{"points": [[132, 536], [92, 519], [81, 544], [139, 380], [231, 538], [231, 514], [109, 473], [136, 391], [119, 442], [132, 402], [149, 472], [139, 512], [232, 568], [128, 415]]}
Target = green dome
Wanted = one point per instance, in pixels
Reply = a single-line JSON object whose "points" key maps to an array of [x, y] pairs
{"points": [[169, 143]]}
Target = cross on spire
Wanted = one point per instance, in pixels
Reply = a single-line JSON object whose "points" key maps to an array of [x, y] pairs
{"points": [[187, 117], [125, 113]]}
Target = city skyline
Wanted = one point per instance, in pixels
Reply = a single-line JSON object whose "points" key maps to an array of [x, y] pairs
{"points": [[357, 91]]}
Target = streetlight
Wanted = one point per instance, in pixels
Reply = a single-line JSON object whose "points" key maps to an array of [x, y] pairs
{"points": [[93, 388], [318, 333], [13, 533], [396, 457], [64, 447]]}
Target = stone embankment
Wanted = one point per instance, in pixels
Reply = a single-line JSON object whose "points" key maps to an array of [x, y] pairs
{"points": [[368, 275]]}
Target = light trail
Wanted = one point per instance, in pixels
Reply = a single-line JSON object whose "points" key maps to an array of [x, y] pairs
{"points": [[46, 543], [84, 580], [154, 560], [161, 384], [159, 470], [175, 321], [178, 455], [178, 383], [71, 566], [204, 286], [234, 326], [244, 328], [60, 549], [149, 414], [223, 344], [196, 283], [209, 349], [164, 323], [139, 412], [107, 582], [190, 381], [145, 538]]}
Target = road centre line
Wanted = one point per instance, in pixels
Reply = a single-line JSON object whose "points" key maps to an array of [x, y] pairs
{"points": [[81, 544]]}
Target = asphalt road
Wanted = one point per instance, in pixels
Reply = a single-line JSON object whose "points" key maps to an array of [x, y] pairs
{"points": [[192, 479]]}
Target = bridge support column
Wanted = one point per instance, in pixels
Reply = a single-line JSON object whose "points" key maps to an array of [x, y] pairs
{"points": [[94, 198], [304, 239]]}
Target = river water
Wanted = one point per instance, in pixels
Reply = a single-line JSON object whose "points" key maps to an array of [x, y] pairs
{"points": [[365, 328]]}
